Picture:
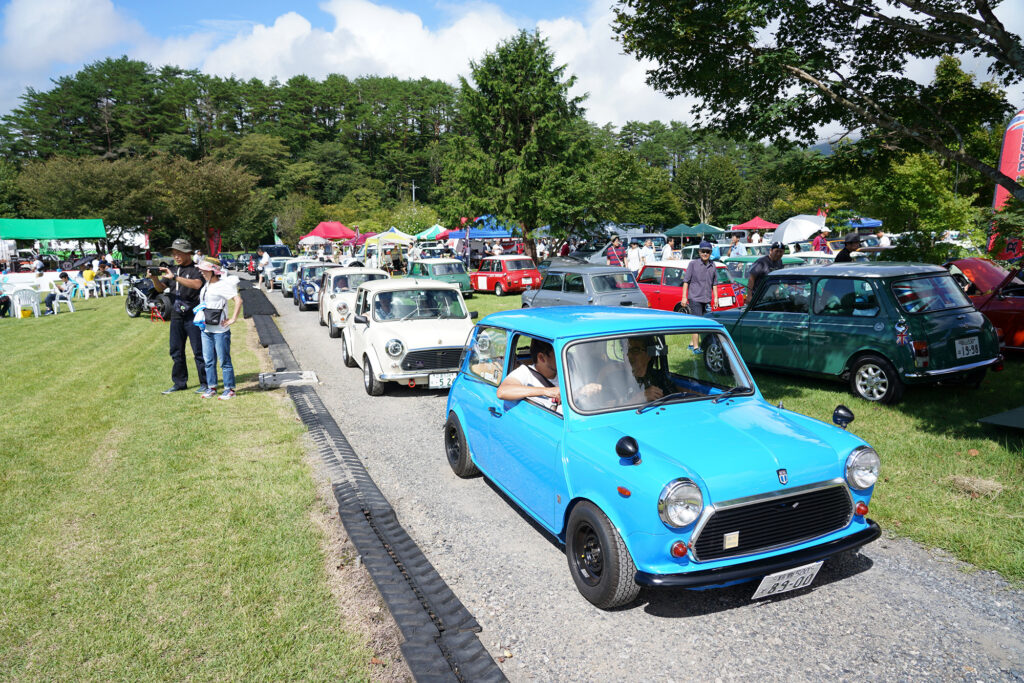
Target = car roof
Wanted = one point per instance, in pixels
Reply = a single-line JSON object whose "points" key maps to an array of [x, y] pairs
{"points": [[680, 263], [399, 284], [505, 257], [786, 258], [349, 270], [566, 322], [591, 268], [434, 261], [871, 269]]}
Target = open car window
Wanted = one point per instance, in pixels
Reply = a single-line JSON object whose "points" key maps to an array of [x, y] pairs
{"points": [[486, 357], [631, 371]]}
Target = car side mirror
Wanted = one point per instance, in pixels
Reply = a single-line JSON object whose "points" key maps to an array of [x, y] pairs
{"points": [[361, 319], [474, 315], [627, 448], [842, 416]]}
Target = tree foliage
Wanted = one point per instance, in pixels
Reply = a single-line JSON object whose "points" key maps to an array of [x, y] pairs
{"points": [[787, 67]]}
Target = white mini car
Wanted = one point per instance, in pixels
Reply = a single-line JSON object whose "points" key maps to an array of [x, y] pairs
{"points": [[338, 294], [408, 330]]}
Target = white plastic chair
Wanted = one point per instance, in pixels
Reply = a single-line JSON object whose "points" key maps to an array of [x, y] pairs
{"points": [[85, 288], [118, 283], [24, 298], [63, 297]]}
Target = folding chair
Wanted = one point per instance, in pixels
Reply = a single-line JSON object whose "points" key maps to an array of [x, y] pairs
{"points": [[24, 298], [85, 288], [63, 297]]}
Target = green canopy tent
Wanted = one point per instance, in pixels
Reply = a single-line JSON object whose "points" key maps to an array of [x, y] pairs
{"points": [[684, 230], [430, 233], [52, 229]]}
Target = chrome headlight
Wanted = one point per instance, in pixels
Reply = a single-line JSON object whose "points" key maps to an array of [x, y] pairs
{"points": [[310, 290], [394, 347], [862, 468], [680, 503], [342, 308]]}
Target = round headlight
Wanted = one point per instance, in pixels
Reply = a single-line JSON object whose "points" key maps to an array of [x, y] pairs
{"points": [[862, 468], [394, 347], [343, 308], [309, 290], [680, 503]]}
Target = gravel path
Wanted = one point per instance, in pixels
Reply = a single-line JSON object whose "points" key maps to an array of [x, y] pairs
{"points": [[896, 611]]}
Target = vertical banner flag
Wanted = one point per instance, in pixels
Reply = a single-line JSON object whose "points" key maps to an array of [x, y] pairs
{"points": [[277, 240], [1011, 163]]}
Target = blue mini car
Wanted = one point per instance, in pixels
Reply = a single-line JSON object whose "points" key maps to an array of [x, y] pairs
{"points": [[639, 439], [306, 293]]}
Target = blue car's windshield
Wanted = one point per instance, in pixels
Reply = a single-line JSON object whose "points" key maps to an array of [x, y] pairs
{"points": [[631, 371]]}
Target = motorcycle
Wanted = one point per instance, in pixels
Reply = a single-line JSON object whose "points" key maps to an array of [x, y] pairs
{"points": [[142, 296]]}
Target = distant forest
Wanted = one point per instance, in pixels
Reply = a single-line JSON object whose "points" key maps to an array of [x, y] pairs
{"points": [[177, 151]]}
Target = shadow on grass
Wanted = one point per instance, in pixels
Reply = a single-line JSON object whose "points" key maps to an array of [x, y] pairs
{"points": [[946, 409]]}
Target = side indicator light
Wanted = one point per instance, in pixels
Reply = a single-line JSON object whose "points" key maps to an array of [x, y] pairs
{"points": [[678, 549], [862, 509], [624, 492]]}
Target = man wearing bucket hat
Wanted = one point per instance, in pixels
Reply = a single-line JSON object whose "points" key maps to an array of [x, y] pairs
{"points": [[184, 281]]}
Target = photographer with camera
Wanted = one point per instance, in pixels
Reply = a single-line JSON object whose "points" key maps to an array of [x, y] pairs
{"points": [[184, 280]]}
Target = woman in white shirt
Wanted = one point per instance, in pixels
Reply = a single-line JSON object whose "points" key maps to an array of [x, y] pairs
{"points": [[634, 258], [215, 295]]}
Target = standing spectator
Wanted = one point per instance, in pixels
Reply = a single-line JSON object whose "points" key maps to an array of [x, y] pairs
{"points": [[821, 241], [634, 261], [496, 250], [668, 251], [37, 264], [698, 286], [65, 285], [565, 250], [764, 265], [184, 281], [755, 237], [264, 267], [883, 239], [216, 294], [96, 263], [850, 244], [737, 248], [647, 252], [615, 254]]}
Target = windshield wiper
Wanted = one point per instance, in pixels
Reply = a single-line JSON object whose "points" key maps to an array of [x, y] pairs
{"points": [[735, 391], [665, 399]]}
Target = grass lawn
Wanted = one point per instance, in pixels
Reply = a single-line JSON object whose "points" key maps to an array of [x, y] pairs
{"points": [[925, 441], [148, 536]]}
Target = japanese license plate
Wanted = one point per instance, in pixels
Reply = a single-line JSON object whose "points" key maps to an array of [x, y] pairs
{"points": [[441, 380], [527, 280], [967, 347], [724, 301], [788, 580]]}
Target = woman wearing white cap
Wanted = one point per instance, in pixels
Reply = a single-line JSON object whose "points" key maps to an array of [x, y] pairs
{"points": [[215, 295]]}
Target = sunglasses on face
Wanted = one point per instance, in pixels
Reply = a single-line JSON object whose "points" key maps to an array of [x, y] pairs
{"points": [[705, 251]]}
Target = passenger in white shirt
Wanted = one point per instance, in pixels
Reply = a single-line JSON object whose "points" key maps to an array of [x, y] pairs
{"points": [[538, 380]]}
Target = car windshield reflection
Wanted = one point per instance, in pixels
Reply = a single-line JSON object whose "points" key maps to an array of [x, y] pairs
{"points": [[418, 304], [632, 371], [346, 283]]}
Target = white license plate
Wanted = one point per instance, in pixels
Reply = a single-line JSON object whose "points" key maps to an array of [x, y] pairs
{"points": [[788, 580], [724, 301], [967, 347], [441, 380], [527, 280]]}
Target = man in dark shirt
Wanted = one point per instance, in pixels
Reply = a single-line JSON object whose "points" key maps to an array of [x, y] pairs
{"points": [[850, 244], [698, 287], [616, 254], [764, 265], [184, 281]]}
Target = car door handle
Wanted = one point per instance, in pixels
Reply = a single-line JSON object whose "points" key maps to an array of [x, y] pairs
{"points": [[494, 411]]}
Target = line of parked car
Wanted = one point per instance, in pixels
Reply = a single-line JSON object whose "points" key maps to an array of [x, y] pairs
{"points": [[661, 464]]}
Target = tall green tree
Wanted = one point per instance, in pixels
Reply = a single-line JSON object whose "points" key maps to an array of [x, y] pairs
{"points": [[786, 67], [204, 197], [708, 187], [531, 132]]}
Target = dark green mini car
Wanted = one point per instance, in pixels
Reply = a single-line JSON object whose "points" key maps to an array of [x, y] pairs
{"points": [[445, 270], [739, 266], [879, 326]]}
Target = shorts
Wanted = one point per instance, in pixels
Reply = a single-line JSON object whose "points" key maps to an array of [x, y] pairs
{"points": [[699, 308]]}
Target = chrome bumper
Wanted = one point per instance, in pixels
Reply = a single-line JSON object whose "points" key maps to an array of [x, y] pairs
{"points": [[958, 368]]}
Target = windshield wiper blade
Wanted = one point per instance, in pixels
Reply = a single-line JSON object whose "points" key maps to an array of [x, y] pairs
{"points": [[735, 391], [664, 399]]}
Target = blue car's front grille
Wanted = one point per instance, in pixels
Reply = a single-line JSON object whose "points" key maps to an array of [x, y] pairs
{"points": [[773, 523], [432, 359]]}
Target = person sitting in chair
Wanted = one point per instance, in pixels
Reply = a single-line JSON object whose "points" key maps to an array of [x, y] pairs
{"points": [[65, 285]]}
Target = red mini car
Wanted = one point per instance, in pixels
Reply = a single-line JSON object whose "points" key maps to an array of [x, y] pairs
{"points": [[662, 283], [996, 292], [501, 274]]}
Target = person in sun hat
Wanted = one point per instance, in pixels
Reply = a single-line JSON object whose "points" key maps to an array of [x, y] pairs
{"points": [[214, 297], [821, 241], [184, 281]]}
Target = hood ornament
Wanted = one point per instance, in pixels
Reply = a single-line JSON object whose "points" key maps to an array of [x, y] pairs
{"points": [[783, 476]]}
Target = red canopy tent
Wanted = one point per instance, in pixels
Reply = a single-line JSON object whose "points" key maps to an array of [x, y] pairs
{"points": [[333, 230], [358, 240], [442, 235], [756, 223]]}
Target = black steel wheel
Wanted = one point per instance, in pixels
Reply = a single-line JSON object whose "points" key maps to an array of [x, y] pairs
{"points": [[873, 378], [346, 357], [457, 450], [599, 561], [373, 386]]}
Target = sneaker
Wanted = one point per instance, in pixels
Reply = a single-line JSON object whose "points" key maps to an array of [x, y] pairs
{"points": [[228, 394], [697, 351], [209, 393], [172, 390], [48, 313], [203, 389]]}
